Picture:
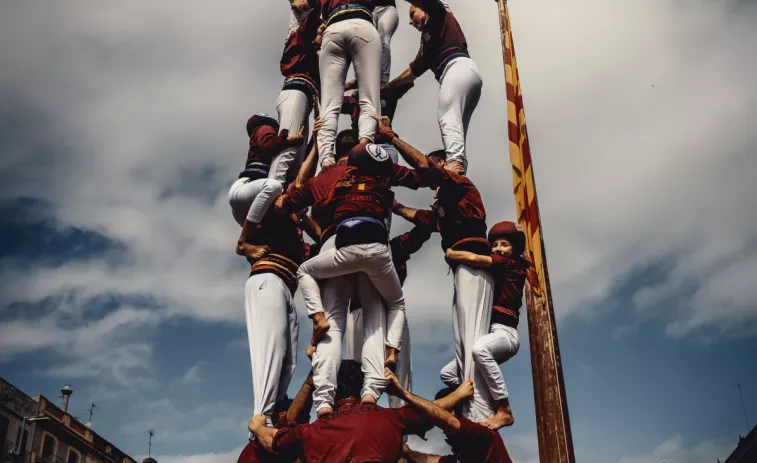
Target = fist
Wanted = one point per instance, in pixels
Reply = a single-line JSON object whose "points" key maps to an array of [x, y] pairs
{"points": [[394, 388], [384, 121], [256, 422], [317, 126], [465, 390]]}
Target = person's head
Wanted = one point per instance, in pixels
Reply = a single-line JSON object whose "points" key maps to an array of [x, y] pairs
{"points": [[370, 159], [507, 239], [345, 141], [259, 120], [319, 35], [418, 17], [349, 380], [438, 157]]}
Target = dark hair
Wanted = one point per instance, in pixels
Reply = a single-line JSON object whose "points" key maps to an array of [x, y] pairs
{"points": [[341, 147], [437, 156], [444, 393], [349, 380]]}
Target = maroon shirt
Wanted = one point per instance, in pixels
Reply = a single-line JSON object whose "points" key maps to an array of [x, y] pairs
{"points": [[509, 277], [404, 246], [474, 443], [354, 433], [442, 40], [281, 233], [299, 62], [458, 213], [265, 143]]}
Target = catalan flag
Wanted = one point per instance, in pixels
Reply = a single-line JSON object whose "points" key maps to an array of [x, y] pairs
{"points": [[526, 204]]}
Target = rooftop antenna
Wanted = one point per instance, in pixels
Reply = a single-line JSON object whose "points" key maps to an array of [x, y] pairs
{"points": [[149, 443], [743, 407], [91, 412]]}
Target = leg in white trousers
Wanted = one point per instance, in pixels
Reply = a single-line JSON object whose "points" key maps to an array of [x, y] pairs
{"points": [[359, 323], [350, 41], [375, 261], [489, 352], [294, 108], [386, 19], [459, 92], [272, 334], [250, 200], [471, 315], [336, 294]]}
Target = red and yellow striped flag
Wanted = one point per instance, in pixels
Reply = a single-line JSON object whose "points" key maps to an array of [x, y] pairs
{"points": [[526, 204]]}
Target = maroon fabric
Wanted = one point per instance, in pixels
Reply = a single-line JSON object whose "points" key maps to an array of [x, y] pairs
{"points": [[458, 214], [254, 453], [281, 233], [314, 193], [405, 245], [354, 433], [300, 55], [509, 278], [474, 443], [265, 143], [441, 38]]}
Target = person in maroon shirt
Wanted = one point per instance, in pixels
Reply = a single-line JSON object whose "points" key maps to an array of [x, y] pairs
{"points": [[355, 432], [299, 94], [509, 269], [444, 50], [470, 442], [459, 216]]}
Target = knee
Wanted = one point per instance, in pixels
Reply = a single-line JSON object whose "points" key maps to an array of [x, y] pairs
{"points": [[481, 353], [273, 187]]}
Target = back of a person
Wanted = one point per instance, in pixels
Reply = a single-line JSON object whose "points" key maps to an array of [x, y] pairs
{"points": [[355, 434]]}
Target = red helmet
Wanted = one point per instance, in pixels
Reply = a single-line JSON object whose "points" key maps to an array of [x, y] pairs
{"points": [[512, 233], [261, 119]]}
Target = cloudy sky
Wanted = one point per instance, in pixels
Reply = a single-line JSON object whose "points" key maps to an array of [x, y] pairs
{"points": [[121, 129]]}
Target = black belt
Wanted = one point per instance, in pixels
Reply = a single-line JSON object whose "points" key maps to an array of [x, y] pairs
{"points": [[350, 11]]}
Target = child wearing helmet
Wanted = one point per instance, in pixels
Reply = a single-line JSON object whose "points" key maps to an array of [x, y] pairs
{"points": [[509, 269]]}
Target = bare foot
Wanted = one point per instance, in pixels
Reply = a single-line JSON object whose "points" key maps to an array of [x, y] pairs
{"points": [[391, 358], [320, 328], [501, 419], [252, 252], [368, 399], [325, 411], [456, 167]]}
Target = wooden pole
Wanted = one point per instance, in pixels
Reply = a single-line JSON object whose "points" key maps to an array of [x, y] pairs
{"points": [[552, 420]]}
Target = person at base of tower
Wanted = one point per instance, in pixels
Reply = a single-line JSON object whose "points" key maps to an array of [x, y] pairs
{"points": [[445, 51], [459, 216], [302, 81], [402, 247], [350, 37], [470, 442], [253, 193], [354, 432], [509, 269]]}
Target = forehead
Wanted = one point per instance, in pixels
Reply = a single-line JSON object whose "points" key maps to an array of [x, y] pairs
{"points": [[501, 241]]}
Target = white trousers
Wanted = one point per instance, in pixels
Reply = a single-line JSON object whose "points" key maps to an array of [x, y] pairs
{"points": [[359, 323], [386, 19], [272, 334], [459, 92], [335, 293], [471, 315], [251, 199], [353, 41], [294, 108], [375, 260], [489, 352]]}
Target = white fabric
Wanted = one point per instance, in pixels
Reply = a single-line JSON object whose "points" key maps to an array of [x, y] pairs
{"points": [[490, 351], [335, 293], [272, 335], [251, 199], [356, 41], [471, 315], [459, 92], [294, 108], [375, 261], [386, 19]]}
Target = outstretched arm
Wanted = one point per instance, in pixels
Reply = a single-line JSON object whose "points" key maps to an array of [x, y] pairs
{"points": [[468, 258], [407, 77], [307, 169], [415, 158], [413, 456], [302, 402], [311, 227], [407, 213], [433, 412]]}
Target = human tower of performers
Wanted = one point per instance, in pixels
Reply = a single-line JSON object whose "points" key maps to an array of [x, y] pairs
{"points": [[351, 278]]}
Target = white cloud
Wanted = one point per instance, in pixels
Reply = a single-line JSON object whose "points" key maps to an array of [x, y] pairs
{"points": [[675, 450], [222, 457]]}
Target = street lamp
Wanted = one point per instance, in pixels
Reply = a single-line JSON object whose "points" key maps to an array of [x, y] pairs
{"points": [[27, 419]]}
